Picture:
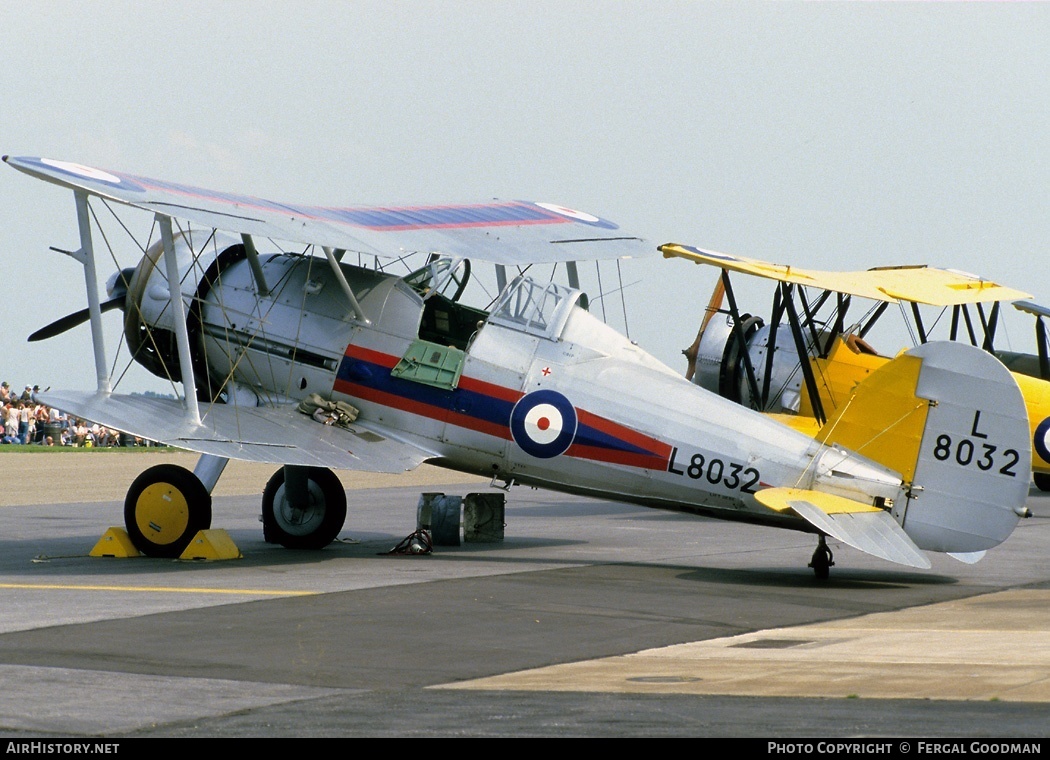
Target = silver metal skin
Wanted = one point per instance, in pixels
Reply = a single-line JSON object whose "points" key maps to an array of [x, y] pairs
{"points": [[641, 433], [533, 390]]}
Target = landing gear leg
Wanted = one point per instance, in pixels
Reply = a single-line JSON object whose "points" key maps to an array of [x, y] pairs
{"points": [[208, 470], [165, 508], [303, 507], [822, 560]]}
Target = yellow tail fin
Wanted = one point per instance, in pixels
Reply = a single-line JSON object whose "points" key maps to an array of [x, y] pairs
{"points": [[884, 419]]}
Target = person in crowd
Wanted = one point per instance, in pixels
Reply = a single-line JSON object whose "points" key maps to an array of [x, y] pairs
{"points": [[23, 421], [105, 437], [41, 417], [11, 419], [80, 433]]}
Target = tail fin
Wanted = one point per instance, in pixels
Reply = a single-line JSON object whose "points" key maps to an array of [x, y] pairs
{"points": [[951, 419]]}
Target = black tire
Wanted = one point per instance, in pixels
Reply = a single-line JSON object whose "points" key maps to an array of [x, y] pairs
{"points": [[822, 562], [165, 508], [821, 570], [1042, 480], [313, 528]]}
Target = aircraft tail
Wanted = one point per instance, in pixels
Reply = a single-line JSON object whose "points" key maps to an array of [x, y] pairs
{"points": [[951, 420]]}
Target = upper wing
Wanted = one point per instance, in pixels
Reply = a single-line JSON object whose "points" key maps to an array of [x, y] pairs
{"points": [[1032, 308], [918, 284], [280, 435], [501, 232]]}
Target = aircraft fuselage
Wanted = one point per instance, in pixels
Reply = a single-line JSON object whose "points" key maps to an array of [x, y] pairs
{"points": [[537, 392]]}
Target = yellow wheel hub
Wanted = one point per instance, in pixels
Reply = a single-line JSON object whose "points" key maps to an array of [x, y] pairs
{"points": [[161, 513]]}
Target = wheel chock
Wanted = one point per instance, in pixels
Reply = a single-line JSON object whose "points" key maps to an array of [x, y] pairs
{"points": [[115, 542], [211, 544]]}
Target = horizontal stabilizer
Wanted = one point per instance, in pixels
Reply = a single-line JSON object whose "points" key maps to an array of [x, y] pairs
{"points": [[279, 435], [862, 526]]}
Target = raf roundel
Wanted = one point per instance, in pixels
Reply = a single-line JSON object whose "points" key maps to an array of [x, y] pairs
{"points": [[1040, 440], [579, 216], [569, 212], [81, 171], [543, 424], [89, 173]]}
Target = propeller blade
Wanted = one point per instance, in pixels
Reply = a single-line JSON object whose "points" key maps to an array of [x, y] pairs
{"points": [[717, 296], [713, 305], [70, 321]]}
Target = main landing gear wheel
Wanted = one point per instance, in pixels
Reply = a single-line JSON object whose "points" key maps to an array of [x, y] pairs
{"points": [[311, 525], [165, 508], [1042, 480], [822, 560]]}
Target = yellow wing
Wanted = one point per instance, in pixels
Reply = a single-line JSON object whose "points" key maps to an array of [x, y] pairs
{"points": [[918, 284]]}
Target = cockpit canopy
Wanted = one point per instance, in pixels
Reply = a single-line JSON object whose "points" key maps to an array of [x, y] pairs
{"points": [[535, 308]]}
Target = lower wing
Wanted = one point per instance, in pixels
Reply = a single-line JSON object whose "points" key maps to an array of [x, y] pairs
{"points": [[279, 435]]}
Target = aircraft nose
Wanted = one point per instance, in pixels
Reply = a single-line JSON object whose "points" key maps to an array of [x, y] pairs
{"points": [[117, 284]]}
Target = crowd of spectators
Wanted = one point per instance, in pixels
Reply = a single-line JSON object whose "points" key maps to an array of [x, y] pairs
{"points": [[27, 422]]}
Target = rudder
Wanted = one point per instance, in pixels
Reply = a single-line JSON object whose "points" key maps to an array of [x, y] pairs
{"points": [[951, 419]]}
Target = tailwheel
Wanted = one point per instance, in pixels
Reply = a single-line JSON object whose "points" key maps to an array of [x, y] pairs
{"points": [[304, 511], [822, 560], [1042, 480], [165, 508]]}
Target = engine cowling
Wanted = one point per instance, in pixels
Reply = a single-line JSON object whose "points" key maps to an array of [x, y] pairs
{"points": [[149, 325], [285, 342], [720, 365]]}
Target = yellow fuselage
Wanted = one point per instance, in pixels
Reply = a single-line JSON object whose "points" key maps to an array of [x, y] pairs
{"points": [[839, 373]]}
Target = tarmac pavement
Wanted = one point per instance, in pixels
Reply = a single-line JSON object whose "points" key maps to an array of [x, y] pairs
{"points": [[589, 618]]}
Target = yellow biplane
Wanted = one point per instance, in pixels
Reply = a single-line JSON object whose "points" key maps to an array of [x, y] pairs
{"points": [[754, 360]]}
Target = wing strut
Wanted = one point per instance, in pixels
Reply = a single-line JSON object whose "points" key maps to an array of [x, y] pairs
{"points": [[86, 256], [874, 318], [253, 262], [1044, 358], [771, 344], [333, 261], [841, 308], [923, 337], [738, 330], [178, 313], [989, 326], [803, 352], [573, 275]]}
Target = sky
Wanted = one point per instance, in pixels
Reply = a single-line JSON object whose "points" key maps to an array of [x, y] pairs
{"points": [[828, 135]]}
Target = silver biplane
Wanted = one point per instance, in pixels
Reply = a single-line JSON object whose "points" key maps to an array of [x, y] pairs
{"points": [[309, 361]]}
